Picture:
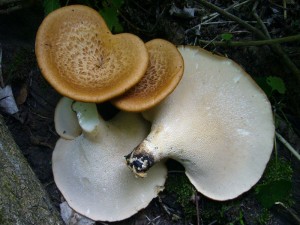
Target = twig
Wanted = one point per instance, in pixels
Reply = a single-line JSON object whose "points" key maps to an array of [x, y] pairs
{"points": [[288, 146], [197, 207], [233, 17], [259, 21], [284, 9], [215, 15], [220, 22], [151, 221], [276, 48], [290, 211], [253, 43]]}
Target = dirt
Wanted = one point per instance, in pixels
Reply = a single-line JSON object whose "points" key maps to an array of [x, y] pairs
{"points": [[33, 128]]}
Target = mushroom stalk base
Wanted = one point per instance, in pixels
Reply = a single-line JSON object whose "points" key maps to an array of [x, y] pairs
{"points": [[140, 161]]}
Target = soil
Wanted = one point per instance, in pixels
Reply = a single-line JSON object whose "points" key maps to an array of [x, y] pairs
{"points": [[33, 127]]}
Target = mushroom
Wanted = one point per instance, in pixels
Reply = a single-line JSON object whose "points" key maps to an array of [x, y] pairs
{"points": [[82, 60], [164, 72], [218, 123], [65, 119], [90, 170]]}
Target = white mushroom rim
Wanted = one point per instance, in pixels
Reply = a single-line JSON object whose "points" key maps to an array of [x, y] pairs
{"points": [[218, 123], [65, 119], [90, 170]]}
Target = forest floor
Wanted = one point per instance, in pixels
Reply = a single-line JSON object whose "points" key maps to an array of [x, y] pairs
{"points": [[182, 23]]}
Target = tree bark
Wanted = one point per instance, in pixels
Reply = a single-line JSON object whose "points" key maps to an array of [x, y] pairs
{"points": [[23, 200]]}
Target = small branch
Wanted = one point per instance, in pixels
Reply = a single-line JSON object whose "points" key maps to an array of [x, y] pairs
{"points": [[233, 17], [290, 211], [215, 15], [197, 207], [253, 43], [284, 10], [259, 21], [288, 146], [276, 47]]}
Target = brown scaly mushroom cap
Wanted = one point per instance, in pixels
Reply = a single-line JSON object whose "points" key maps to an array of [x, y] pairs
{"points": [[82, 60], [90, 170], [218, 123], [162, 76]]}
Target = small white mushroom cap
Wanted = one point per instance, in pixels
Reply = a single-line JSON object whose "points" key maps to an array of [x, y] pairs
{"points": [[218, 123], [65, 119], [90, 170]]}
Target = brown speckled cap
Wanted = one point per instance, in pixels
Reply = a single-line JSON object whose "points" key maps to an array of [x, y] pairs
{"points": [[164, 72], [82, 60]]}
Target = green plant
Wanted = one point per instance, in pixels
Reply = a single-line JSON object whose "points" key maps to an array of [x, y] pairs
{"points": [[226, 37], [50, 5], [276, 184], [184, 191], [270, 84], [264, 217], [110, 12]]}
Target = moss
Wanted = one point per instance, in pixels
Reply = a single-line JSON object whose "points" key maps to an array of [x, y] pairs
{"points": [[276, 184], [277, 169], [264, 217], [1, 217], [232, 212], [184, 191]]}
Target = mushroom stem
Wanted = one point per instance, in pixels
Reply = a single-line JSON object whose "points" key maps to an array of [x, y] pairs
{"points": [[141, 159], [146, 154], [88, 119]]}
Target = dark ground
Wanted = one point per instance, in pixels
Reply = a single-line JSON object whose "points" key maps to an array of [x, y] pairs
{"points": [[33, 128]]}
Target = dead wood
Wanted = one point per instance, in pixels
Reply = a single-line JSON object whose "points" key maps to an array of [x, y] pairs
{"points": [[23, 199]]}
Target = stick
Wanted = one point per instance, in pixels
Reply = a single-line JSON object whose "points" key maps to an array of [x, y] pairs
{"points": [[276, 48], [253, 43], [288, 146], [233, 17]]}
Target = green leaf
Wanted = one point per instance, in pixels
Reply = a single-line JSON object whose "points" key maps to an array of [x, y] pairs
{"points": [[272, 192], [110, 15], [50, 5], [262, 82], [226, 36], [117, 3], [277, 84]]}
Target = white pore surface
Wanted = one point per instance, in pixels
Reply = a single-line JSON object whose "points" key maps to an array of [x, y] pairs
{"points": [[65, 119], [94, 178], [217, 123]]}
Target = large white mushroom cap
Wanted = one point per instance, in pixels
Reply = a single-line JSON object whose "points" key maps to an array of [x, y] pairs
{"points": [[90, 170], [217, 123]]}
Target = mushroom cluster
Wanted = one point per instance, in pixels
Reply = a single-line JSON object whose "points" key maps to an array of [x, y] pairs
{"points": [[217, 122], [82, 60]]}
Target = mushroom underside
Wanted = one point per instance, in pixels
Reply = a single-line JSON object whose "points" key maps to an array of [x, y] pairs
{"points": [[92, 174], [218, 123]]}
